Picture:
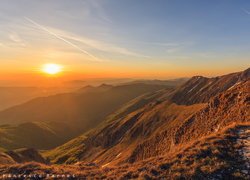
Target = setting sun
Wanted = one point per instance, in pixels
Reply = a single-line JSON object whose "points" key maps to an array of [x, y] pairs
{"points": [[52, 68]]}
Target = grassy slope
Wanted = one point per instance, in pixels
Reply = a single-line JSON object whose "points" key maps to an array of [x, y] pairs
{"points": [[50, 121], [214, 156], [75, 107], [161, 125], [93, 146], [32, 134], [71, 150]]}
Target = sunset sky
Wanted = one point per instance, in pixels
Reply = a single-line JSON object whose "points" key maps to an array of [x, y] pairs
{"points": [[124, 38]]}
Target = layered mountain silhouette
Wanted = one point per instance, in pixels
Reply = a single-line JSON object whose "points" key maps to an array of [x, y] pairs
{"points": [[10, 96], [200, 129], [49, 121]]}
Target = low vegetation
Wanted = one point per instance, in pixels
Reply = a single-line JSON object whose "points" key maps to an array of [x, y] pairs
{"points": [[213, 157]]}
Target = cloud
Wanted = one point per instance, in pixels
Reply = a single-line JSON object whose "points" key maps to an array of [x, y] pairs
{"points": [[173, 50], [14, 37], [165, 44], [62, 39], [246, 11], [99, 10], [69, 38], [101, 46]]}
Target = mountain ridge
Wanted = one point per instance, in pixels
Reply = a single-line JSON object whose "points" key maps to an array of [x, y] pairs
{"points": [[66, 115], [160, 125]]}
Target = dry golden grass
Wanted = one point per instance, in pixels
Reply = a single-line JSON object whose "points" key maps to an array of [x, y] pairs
{"points": [[214, 156]]}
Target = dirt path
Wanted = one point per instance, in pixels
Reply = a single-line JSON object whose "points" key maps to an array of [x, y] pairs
{"points": [[244, 151]]}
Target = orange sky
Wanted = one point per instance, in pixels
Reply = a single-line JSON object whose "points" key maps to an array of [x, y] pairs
{"points": [[101, 40], [35, 75]]}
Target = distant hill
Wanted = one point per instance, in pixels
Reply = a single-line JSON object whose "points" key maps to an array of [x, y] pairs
{"points": [[89, 88], [38, 135], [21, 156], [26, 155], [54, 119], [172, 82], [10, 96]]}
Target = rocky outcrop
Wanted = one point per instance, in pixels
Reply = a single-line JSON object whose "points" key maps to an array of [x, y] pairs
{"points": [[200, 89]]}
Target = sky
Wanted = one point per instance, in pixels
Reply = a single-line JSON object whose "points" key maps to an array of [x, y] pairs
{"points": [[124, 38]]}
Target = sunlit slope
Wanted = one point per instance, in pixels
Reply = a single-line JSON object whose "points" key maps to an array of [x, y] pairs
{"points": [[63, 116], [216, 156], [37, 135], [161, 125]]}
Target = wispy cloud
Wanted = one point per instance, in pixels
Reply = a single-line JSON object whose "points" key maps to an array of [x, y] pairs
{"points": [[99, 10], [246, 11], [14, 37], [99, 45], [173, 50], [61, 38], [161, 44], [70, 38]]}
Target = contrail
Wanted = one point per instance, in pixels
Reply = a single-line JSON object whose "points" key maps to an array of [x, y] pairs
{"points": [[59, 37]]}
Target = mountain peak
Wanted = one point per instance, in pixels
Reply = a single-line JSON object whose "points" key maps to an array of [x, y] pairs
{"points": [[245, 74], [200, 89], [199, 77], [104, 85]]}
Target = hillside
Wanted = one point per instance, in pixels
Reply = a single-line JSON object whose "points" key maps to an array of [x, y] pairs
{"points": [[163, 123], [216, 156], [200, 89], [21, 156], [55, 119], [30, 134], [199, 130]]}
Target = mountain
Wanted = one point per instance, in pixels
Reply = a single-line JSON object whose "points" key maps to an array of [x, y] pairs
{"points": [[200, 89], [55, 119], [199, 130], [164, 123], [38, 135], [172, 82], [26, 155], [10, 96], [89, 88]]}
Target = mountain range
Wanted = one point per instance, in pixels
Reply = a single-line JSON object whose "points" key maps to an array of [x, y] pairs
{"points": [[198, 129], [47, 122]]}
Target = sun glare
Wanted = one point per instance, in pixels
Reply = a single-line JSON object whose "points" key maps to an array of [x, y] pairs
{"points": [[52, 68]]}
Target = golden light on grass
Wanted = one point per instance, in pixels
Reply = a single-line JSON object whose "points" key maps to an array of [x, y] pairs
{"points": [[51, 68]]}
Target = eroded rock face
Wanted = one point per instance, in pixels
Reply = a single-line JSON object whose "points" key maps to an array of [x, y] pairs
{"points": [[200, 89], [231, 106]]}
